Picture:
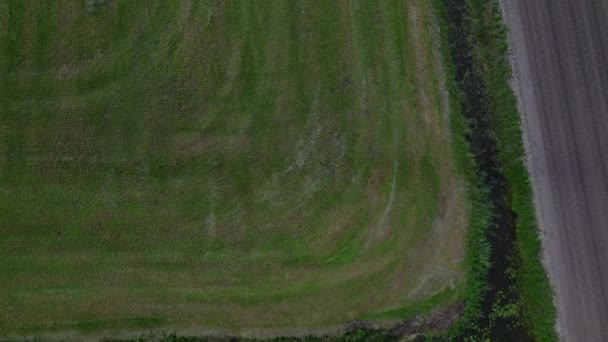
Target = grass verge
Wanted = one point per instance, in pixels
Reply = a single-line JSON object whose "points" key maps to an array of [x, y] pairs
{"points": [[490, 39], [477, 257], [488, 48]]}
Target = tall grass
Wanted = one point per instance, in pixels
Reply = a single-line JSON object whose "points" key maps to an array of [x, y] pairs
{"points": [[489, 35], [487, 40], [477, 257]]}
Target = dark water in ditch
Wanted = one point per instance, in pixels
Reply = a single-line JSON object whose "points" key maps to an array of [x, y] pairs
{"points": [[474, 106]]}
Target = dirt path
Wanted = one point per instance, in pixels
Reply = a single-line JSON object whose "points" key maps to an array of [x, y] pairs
{"points": [[561, 59]]}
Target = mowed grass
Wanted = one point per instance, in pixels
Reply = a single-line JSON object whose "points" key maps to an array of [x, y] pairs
{"points": [[223, 164]]}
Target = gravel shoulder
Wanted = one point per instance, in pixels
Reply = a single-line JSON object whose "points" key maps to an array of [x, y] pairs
{"points": [[560, 57]]}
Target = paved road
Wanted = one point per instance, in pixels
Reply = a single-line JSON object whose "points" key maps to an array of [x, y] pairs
{"points": [[561, 63]]}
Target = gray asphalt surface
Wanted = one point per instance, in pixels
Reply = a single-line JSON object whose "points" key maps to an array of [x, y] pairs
{"points": [[560, 55]]}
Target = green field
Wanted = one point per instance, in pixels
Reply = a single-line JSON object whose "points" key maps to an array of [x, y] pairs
{"points": [[223, 164]]}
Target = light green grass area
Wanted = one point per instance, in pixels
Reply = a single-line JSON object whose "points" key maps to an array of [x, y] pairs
{"points": [[223, 164]]}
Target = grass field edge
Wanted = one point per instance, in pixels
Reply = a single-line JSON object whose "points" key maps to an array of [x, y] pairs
{"points": [[477, 249]]}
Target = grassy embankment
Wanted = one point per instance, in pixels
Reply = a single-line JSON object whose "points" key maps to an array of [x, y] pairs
{"points": [[223, 164], [477, 258], [487, 37]]}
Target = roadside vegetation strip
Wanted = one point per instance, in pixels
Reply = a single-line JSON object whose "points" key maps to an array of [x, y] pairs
{"points": [[528, 301], [536, 291], [223, 164], [477, 257]]}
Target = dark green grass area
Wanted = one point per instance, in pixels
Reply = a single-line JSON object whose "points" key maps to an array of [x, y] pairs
{"points": [[224, 164], [477, 257], [489, 34], [533, 307], [356, 335]]}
